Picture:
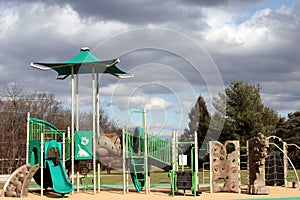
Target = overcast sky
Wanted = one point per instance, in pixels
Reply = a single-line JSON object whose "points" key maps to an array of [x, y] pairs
{"points": [[176, 49]]}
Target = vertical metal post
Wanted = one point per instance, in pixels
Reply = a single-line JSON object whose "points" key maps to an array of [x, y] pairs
{"points": [[176, 149], [174, 161], [27, 137], [285, 164], [146, 151], [64, 149], [173, 151], [77, 102], [124, 160], [98, 105], [77, 181], [42, 162], [98, 122], [211, 167], [196, 163], [72, 126], [99, 178], [94, 127]]}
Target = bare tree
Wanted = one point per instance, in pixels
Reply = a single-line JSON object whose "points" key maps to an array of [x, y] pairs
{"points": [[14, 105]]}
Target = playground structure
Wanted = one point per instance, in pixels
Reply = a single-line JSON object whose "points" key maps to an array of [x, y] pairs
{"points": [[279, 167], [49, 150], [224, 165], [141, 151], [184, 179], [45, 158], [258, 146], [18, 182], [261, 171]]}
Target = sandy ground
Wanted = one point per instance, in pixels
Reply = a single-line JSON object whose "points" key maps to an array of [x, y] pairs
{"points": [[163, 193]]}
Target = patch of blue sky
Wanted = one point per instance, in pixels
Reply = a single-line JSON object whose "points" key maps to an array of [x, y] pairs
{"points": [[245, 14]]}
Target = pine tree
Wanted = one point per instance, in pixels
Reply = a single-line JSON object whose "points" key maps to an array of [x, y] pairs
{"points": [[199, 121], [245, 113]]}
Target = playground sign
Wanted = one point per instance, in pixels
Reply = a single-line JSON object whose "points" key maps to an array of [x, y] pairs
{"points": [[182, 160], [83, 145]]}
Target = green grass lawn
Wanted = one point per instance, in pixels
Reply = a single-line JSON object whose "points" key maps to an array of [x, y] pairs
{"points": [[160, 177]]}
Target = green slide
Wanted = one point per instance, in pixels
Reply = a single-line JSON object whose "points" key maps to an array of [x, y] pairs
{"points": [[59, 178]]}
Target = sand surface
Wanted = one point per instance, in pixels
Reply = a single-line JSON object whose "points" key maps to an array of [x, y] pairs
{"points": [[162, 193]]}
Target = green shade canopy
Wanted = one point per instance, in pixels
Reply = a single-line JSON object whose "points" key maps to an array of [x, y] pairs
{"points": [[83, 63]]}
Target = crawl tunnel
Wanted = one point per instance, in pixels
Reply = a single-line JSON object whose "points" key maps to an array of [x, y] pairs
{"points": [[53, 151]]}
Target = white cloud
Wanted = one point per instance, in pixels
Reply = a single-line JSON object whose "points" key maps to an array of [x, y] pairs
{"points": [[157, 103], [150, 103], [7, 20], [259, 33]]}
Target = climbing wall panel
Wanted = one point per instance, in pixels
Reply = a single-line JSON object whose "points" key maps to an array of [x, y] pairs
{"points": [[225, 166]]}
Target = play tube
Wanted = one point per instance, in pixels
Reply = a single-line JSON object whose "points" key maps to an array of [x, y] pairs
{"points": [[137, 166]]}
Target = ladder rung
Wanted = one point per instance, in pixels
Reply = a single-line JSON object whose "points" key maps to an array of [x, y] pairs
{"points": [[139, 172], [137, 157], [140, 164]]}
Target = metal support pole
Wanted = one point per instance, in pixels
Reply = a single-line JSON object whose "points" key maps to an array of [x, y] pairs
{"points": [[98, 122], [285, 164], [146, 151], [98, 106], [173, 151], [176, 150], [124, 160], [94, 128], [64, 149], [196, 163], [77, 181], [99, 176], [72, 126], [211, 167], [27, 137], [42, 163], [77, 102]]}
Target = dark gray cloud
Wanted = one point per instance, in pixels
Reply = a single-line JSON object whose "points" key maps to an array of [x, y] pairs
{"points": [[132, 12], [262, 48]]}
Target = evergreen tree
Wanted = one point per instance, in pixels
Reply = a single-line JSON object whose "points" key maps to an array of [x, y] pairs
{"points": [[245, 113], [199, 121], [292, 136]]}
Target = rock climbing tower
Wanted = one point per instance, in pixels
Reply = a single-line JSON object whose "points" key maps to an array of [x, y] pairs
{"points": [[225, 165], [18, 182], [258, 146]]}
